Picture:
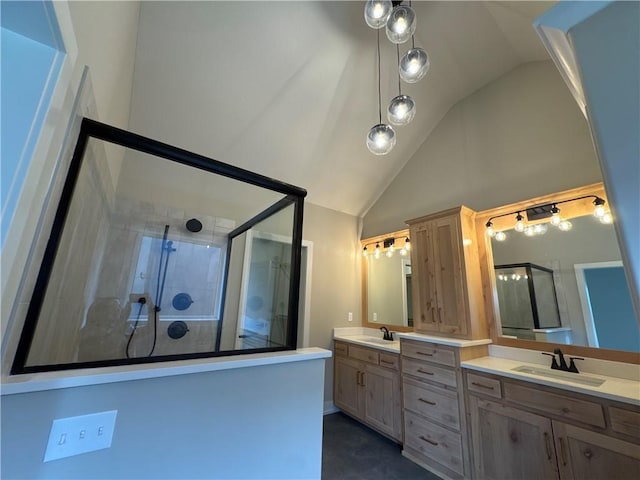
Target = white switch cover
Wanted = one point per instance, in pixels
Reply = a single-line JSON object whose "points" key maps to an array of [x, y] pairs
{"points": [[75, 435]]}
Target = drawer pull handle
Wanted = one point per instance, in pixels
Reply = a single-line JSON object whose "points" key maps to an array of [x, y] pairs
{"points": [[435, 444], [425, 354], [547, 444], [565, 410], [481, 385], [362, 381], [563, 453], [425, 372], [428, 402], [588, 454], [386, 362]]}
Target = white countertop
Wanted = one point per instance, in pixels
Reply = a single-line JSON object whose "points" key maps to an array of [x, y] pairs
{"points": [[35, 382], [367, 337], [613, 388], [452, 342]]}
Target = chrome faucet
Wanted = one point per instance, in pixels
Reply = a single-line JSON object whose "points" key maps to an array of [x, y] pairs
{"points": [[387, 335]]}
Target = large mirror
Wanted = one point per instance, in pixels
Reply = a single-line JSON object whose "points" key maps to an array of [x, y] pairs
{"points": [[386, 281], [559, 285]]}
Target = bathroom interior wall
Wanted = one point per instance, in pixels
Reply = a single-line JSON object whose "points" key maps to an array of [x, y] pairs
{"points": [[336, 277], [224, 424], [518, 137]]}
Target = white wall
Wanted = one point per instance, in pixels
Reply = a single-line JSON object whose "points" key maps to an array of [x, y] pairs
{"points": [[257, 422], [336, 277], [519, 137]]}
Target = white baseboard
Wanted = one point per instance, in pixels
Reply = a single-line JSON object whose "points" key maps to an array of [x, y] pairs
{"points": [[329, 408]]}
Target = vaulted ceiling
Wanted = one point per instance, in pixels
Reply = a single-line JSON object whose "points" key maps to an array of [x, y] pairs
{"points": [[289, 89]]}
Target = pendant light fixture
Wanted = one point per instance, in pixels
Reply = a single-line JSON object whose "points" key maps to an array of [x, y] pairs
{"points": [[401, 24], [402, 108], [376, 12], [414, 65], [381, 138]]}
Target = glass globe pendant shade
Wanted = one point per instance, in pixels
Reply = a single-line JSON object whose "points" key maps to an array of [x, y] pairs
{"points": [[401, 110], [376, 12], [401, 24], [414, 65], [381, 139]]}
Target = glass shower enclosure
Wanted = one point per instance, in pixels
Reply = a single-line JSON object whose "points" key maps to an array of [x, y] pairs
{"points": [[157, 254]]}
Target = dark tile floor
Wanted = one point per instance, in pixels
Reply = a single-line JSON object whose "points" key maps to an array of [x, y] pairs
{"points": [[351, 451]]}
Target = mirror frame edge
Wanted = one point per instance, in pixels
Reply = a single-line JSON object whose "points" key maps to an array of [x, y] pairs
{"points": [[491, 296], [365, 274]]}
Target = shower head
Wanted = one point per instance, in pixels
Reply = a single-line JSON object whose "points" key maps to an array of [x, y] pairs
{"points": [[194, 225]]}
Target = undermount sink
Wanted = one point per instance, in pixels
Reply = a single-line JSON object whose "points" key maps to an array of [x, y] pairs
{"points": [[378, 341], [560, 375]]}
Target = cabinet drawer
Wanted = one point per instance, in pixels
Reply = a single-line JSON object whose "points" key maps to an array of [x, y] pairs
{"points": [[364, 354], [340, 348], [433, 441], [557, 405], [484, 385], [427, 371], [430, 352], [625, 421], [389, 360], [432, 402]]}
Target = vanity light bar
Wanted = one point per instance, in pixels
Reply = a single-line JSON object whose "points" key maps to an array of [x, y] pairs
{"points": [[547, 210], [388, 246]]}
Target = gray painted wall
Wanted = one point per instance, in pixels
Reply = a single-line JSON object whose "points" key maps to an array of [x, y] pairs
{"points": [[257, 422], [518, 137]]}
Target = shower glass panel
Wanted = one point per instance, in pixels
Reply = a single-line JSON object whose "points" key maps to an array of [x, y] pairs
{"points": [[159, 254], [527, 299]]}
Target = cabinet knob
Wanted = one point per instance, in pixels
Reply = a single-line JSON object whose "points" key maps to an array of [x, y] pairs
{"points": [[588, 454]]}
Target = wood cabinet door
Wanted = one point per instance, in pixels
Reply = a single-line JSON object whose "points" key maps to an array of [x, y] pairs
{"points": [[584, 455], [347, 384], [510, 444], [382, 400], [423, 282], [449, 270]]}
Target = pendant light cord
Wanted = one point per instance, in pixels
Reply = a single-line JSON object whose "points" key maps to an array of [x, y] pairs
{"points": [[379, 90], [398, 57]]}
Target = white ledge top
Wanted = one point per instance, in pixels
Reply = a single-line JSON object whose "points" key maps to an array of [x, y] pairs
{"points": [[452, 342], [613, 388], [35, 382]]}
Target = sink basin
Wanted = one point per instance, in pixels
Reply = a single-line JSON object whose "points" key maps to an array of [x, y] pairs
{"points": [[379, 341], [560, 375]]}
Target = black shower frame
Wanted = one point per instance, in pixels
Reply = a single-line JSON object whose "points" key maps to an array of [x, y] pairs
{"points": [[532, 292], [94, 129]]}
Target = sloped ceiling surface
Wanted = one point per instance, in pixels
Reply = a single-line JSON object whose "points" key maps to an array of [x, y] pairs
{"points": [[289, 89]]}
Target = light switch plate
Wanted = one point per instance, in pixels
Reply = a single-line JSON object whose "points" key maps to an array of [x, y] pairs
{"points": [[75, 435]]}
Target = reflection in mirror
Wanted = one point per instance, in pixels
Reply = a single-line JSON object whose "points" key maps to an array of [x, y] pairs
{"points": [[386, 281], [576, 274]]}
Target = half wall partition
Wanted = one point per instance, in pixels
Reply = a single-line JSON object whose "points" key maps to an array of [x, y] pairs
{"points": [[160, 254]]}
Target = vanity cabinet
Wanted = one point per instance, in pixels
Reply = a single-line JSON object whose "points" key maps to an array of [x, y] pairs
{"points": [[367, 387], [446, 282], [435, 426], [521, 430]]}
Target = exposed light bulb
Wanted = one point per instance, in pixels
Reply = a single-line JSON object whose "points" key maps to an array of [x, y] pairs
{"points": [[501, 236], [607, 218], [565, 225], [401, 24], [389, 253], [381, 139], [407, 244], [403, 251], [376, 252], [599, 210], [490, 231], [540, 229], [529, 231], [401, 110], [519, 224], [376, 12], [414, 65], [364, 252], [555, 216]]}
